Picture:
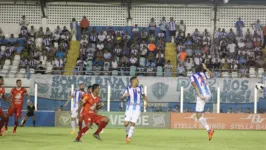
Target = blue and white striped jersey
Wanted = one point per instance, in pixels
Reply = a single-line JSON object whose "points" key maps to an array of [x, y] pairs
{"points": [[77, 96], [134, 101], [200, 80]]}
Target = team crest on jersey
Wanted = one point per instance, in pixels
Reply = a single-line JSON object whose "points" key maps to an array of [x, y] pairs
{"points": [[159, 90], [18, 96]]}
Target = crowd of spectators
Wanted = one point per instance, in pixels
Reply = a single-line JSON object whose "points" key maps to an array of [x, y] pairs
{"points": [[38, 49], [228, 52], [108, 51]]}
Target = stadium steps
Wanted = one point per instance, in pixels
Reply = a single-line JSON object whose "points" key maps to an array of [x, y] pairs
{"points": [[170, 54], [72, 55]]}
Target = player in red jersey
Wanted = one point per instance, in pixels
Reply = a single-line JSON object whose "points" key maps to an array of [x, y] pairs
{"points": [[2, 114], [89, 113], [17, 95], [89, 91]]}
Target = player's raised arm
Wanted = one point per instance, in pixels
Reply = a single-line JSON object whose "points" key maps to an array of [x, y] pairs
{"points": [[209, 72]]}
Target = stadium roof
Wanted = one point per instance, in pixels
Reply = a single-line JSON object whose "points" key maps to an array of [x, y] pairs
{"points": [[234, 2]]}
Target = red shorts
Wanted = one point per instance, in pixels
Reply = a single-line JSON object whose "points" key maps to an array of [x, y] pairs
{"points": [[14, 110], [2, 114], [90, 118]]}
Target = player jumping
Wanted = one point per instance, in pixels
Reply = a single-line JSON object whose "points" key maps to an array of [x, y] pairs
{"points": [[17, 95], [200, 83], [134, 93], [29, 113], [2, 114], [89, 113], [77, 95]]}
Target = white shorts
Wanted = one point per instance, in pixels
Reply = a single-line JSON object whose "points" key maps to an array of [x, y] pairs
{"points": [[132, 116], [74, 113], [201, 104]]}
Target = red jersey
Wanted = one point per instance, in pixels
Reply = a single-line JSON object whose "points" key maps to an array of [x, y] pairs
{"points": [[90, 101], [2, 93], [18, 96]]}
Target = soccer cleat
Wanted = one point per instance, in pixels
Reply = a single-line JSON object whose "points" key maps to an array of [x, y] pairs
{"points": [[97, 136], [77, 140], [21, 125], [14, 132], [4, 129], [73, 132], [211, 132], [128, 140]]}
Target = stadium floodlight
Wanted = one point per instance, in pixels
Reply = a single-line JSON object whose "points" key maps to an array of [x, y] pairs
{"points": [[226, 1]]}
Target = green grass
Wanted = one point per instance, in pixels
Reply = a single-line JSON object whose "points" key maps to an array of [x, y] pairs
{"points": [[143, 139]]}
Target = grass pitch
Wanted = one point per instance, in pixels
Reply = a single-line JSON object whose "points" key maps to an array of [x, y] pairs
{"points": [[28, 138]]}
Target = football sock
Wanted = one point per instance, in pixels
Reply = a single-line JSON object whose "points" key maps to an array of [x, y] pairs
{"points": [[6, 123], [127, 128], [204, 123], [34, 123], [2, 122], [16, 125], [83, 130], [73, 125], [23, 122], [80, 125], [131, 131], [101, 126]]}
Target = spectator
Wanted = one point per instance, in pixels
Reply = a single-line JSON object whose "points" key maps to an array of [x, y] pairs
{"points": [[182, 27], [97, 69], [189, 64], [159, 58], [161, 35], [23, 32], [163, 25], [144, 35], [101, 37], [182, 56], [169, 109], [168, 68], [32, 63], [264, 33], [23, 63], [239, 27], [106, 68], [135, 30], [152, 26], [150, 60], [180, 69], [239, 110], [100, 46], [231, 47], [117, 50], [133, 60], [119, 31], [48, 32], [258, 29], [176, 109], [57, 32], [124, 61], [114, 64], [60, 54], [23, 22], [74, 27], [248, 111], [172, 28], [159, 109], [40, 68], [151, 47], [59, 63], [231, 35], [84, 24], [152, 109], [40, 33], [229, 111]]}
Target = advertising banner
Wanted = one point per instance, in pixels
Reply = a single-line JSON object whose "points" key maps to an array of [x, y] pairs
{"points": [[220, 121], [116, 119], [159, 89]]}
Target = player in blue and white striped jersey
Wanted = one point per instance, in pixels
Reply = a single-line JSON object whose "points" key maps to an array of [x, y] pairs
{"points": [[200, 83], [77, 96], [134, 95]]}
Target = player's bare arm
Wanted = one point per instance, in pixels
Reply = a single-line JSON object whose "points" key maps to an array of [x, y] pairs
{"points": [[69, 99], [209, 72], [197, 90], [124, 96]]}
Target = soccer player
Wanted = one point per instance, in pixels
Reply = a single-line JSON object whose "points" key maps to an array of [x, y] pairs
{"points": [[200, 84], [29, 113], [89, 90], [77, 95], [89, 113], [134, 93], [2, 114], [17, 95]]}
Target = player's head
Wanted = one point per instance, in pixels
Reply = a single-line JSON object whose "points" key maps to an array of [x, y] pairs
{"points": [[96, 89], [134, 81], [81, 86], [18, 83], [1, 80], [199, 68], [89, 89]]}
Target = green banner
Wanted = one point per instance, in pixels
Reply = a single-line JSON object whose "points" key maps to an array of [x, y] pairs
{"points": [[116, 119]]}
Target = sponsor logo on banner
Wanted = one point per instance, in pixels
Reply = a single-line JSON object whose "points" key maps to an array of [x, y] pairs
{"points": [[159, 121], [159, 90], [220, 121], [65, 118]]}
